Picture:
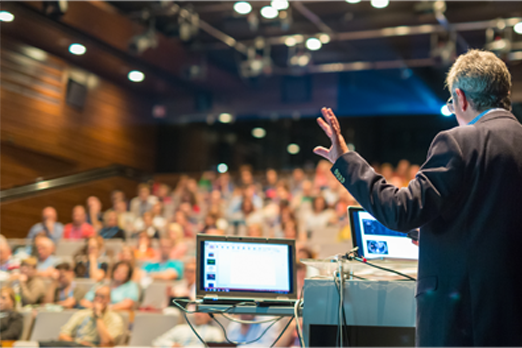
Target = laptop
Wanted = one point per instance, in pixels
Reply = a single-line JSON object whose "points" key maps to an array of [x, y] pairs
{"points": [[378, 242], [231, 270]]}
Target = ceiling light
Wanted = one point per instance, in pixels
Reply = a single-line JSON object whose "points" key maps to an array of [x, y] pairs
{"points": [[222, 168], [6, 16], [242, 7], [380, 3], [290, 41], [313, 44], [225, 118], [279, 4], [269, 12], [299, 38], [136, 76], [77, 49], [444, 110], [353, 1], [258, 132], [303, 60], [293, 149], [518, 28], [324, 38]]}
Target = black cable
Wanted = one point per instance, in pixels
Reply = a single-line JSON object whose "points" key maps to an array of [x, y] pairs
{"points": [[357, 277], [282, 332], [350, 256], [248, 342]]}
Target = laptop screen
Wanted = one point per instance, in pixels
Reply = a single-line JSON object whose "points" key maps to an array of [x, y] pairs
{"points": [[245, 267], [376, 241]]}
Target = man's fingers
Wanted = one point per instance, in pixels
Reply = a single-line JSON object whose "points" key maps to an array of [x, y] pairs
{"points": [[321, 151], [334, 123], [325, 127]]}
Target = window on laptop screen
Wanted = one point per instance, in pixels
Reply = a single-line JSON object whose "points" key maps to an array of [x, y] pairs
{"points": [[376, 241], [232, 266]]}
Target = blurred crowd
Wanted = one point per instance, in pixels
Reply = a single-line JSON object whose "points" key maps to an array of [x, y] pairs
{"points": [[158, 229]]}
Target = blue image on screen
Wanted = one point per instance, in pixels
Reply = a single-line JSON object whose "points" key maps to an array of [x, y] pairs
{"points": [[374, 227], [377, 247]]}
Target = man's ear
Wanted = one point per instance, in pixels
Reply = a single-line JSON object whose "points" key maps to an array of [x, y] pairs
{"points": [[461, 98]]}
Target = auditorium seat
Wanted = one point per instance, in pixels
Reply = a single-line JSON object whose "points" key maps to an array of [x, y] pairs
{"points": [[68, 247], [155, 295], [28, 324], [125, 316], [148, 326], [84, 283], [47, 325]]}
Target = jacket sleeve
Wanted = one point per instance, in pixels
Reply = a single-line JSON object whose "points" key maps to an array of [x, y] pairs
{"points": [[14, 327], [438, 183]]}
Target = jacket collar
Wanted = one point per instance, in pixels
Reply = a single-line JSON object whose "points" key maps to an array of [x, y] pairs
{"points": [[495, 115]]}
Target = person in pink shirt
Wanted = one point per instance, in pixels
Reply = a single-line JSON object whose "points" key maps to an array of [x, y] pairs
{"points": [[78, 228]]}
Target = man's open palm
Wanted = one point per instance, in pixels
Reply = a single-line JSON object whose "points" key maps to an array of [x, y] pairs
{"points": [[333, 130]]}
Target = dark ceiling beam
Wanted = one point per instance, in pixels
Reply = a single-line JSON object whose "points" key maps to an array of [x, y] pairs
{"points": [[312, 17]]}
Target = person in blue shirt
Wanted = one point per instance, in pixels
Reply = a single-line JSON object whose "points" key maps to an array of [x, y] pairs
{"points": [[49, 226], [124, 292], [164, 269]]}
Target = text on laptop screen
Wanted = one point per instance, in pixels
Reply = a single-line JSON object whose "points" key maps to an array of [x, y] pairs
{"points": [[250, 267], [377, 241]]}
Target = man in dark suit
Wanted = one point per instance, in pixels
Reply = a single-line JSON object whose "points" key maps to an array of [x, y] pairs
{"points": [[467, 201]]}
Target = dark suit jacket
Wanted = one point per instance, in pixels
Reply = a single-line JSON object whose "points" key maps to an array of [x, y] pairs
{"points": [[11, 325], [467, 201]]}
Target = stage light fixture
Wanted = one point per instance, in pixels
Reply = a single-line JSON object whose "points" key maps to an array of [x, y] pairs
{"points": [[444, 110], [324, 38], [258, 132], [6, 16], [518, 28], [222, 168], [77, 49], [225, 118], [280, 4], [353, 1], [293, 149], [380, 3], [136, 76], [290, 41], [242, 7], [303, 60], [313, 44], [269, 12]]}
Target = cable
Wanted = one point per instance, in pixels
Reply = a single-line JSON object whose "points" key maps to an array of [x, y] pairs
{"points": [[297, 324], [351, 256], [249, 321], [282, 332], [247, 342], [194, 330], [337, 287]]}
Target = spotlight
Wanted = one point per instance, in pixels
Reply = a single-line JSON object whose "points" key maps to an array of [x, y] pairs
{"points": [[6, 16], [303, 60], [279, 4], [290, 41], [222, 168], [136, 76], [313, 44], [444, 110], [269, 12], [77, 49], [55, 8], [258, 132], [380, 3], [242, 7], [324, 38], [225, 118], [353, 1], [518, 28], [293, 149]]}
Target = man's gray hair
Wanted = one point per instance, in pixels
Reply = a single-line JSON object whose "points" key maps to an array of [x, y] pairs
{"points": [[483, 77]]}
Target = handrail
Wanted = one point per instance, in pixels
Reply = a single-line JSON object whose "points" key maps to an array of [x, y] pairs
{"points": [[72, 179]]}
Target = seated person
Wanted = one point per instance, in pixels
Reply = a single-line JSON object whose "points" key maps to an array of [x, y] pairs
{"points": [[176, 235], [124, 292], [78, 228], [90, 260], [187, 286], [63, 291], [49, 225], [145, 251], [165, 268], [248, 332], [146, 224], [11, 322], [32, 287], [94, 214], [46, 260], [7, 261], [182, 335], [127, 254], [98, 326], [110, 226]]}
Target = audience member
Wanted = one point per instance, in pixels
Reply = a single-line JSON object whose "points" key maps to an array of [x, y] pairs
{"points": [[320, 216], [165, 268], [187, 286], [146, 224], [110, 226], [7, 261], [163, 194], [63, 290], [94, 213], [11, 322], [90, 260], [96, 326], [243, 333], [46, 260], [255, 230], [78, 228], [126, 219], [145, 251], [144, 202], [182, 335], [179, 247], [49, 225], [158, 220], [124, 292], [127, 254], [28, 283]]}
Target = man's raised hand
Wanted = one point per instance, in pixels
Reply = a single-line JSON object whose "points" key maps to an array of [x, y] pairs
{"points": [[333, 130]]}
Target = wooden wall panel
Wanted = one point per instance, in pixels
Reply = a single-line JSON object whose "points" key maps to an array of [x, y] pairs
{"points": [[46, 137]]}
